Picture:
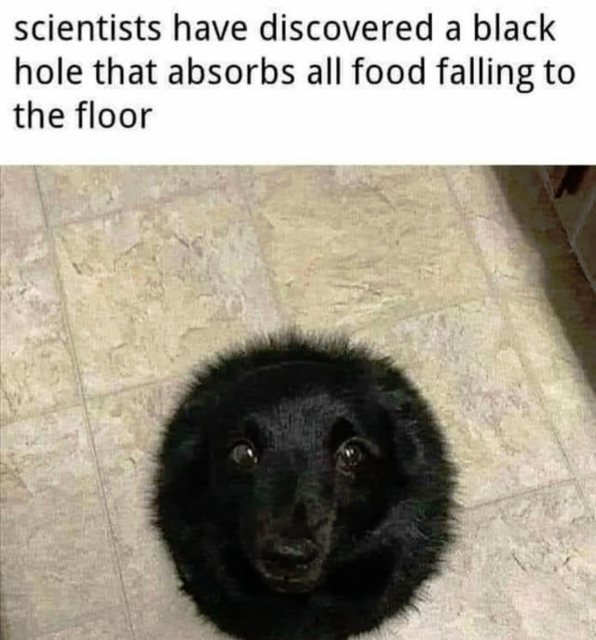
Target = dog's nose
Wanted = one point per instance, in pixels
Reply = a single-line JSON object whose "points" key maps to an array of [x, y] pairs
{"points": [[290, 553]]}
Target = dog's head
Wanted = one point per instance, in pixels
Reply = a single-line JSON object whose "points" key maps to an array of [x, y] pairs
{"points": [[302, 464]]}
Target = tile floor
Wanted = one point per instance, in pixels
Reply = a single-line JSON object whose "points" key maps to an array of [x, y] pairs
{"points": [[115, 281]]}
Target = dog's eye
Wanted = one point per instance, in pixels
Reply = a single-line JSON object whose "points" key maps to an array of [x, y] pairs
{"points": [[244, 455], [349, 456]]}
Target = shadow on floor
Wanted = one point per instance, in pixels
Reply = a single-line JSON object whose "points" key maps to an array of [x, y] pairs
{"points": [[569, 291], [3, 633]]}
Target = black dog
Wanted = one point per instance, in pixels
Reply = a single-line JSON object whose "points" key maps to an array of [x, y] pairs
{"points": [[303, 490]]}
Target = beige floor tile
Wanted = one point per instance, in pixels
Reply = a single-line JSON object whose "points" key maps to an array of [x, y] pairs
{"points": [[126, 429], [464, 361], [173, 616], [72, 193], [57, 563], [152, 290], [20, 201], [556, 330], [421, 188], [523, 569], [527, 251], [572, 406], [590, 487], [550, 304], [560, 346], [342, 252], [111, 627], [522, 240], [549, 341], [37, 371]]}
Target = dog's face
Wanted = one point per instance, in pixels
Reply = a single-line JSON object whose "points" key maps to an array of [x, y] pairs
{"points": [[300, 480]]}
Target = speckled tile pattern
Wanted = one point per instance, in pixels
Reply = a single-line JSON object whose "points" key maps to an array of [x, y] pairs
{"points": [[56, 552], [74, 193], [126, 429], [345, 252], [495, 424], [37, 371], [150, 288], [527, 568], [115, 281]]}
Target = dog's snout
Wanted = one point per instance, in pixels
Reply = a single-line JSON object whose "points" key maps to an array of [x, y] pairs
{"points": [[291, 552]]}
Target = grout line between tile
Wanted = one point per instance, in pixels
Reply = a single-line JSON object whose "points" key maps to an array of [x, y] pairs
{"points": [[147, 384], [104, 215], [81, 391], [454, 303], [519, 494], [285, 316], [66, 406], [46, 411], [503, 305]]}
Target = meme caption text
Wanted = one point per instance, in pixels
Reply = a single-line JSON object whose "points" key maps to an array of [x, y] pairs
{"points": [[398, 61]]}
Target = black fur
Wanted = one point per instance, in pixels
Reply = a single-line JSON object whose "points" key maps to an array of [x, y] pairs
{"points": [[303, 490]]}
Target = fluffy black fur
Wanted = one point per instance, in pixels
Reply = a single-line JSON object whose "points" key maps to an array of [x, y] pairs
{"points": [[303, 490]]}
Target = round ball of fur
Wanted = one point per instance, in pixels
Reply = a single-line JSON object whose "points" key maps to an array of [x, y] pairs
{"points": [[303, 490]]}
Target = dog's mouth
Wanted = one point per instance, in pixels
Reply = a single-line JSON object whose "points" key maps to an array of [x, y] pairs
{"points": [[300, 579], [290, 568]]}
